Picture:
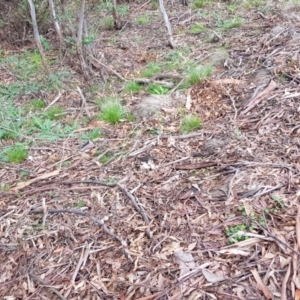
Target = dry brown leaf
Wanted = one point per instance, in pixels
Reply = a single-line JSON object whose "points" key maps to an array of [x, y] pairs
{"points": [[211, 277], [29, 182], [260, 285], [248, 208], [284, 283], [188, 103], [229, 81], [97, 124], [235, 252], [284, 261], [253, 102], [192, 246], [196, 165], [186, 262]]}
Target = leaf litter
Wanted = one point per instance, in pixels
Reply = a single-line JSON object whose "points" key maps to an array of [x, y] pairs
{"points": [[201, 216]]}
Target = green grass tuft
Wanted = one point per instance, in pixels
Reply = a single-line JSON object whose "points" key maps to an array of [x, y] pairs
{"points": [[199, 4], [92, 135], [232, 23], [108, 23], [198, 74], [105, 158], [197, 28], [151, 69], [16, 154], [132, 87], [54, 113], [112, 112], [157, 89], [143, 20], [190, 123], [36, 104], [80, 203]]}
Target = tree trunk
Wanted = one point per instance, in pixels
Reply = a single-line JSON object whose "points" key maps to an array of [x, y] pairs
{"points": [[167, 23], [37, 35], [56, 24], [84, 66]]}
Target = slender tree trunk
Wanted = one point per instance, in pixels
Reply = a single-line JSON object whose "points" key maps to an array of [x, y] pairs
{"points": [[117, 19], [56, 24], [84, 66], [167, 23], [37, 35]]}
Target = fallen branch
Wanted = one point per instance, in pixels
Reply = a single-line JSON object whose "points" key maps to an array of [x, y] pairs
{"points": [[253, 102], [136, 206], [284, 283], [83, 102], [193, 166], [149, 80]]}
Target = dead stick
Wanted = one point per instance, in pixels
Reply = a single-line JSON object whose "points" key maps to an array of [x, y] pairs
{"points": [[94, 219], [136, 206], [125, 191]]}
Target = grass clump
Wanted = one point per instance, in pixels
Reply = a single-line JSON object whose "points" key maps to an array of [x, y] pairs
{"points": [[190, 123], [143, 20], [219, 56], [132, 87], [232, 7], [254, 3], [92, 135], [105, 158], [199, 4], [36, 104], [108, 23], [154, 5], [232, 23], [197, 28], [151, 69], [198, 74], [112, 112], [157, 89], [54, 113], [16, 154], [177, 59], [80, 203]]}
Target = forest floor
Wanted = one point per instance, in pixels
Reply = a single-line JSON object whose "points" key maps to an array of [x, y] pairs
{"points": [[144, 209]]}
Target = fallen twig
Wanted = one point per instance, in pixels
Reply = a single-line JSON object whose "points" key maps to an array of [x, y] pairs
{"points": [[181, 137], [253, 102], [83, 102], [260, 285], [150, 80], [193, 166], [125, 191], [94, 219], [54, 101], [136, 206], [284, 283]]}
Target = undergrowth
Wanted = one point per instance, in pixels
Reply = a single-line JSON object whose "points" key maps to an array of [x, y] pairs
{"points": [[190, 123], [112, 111]]}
